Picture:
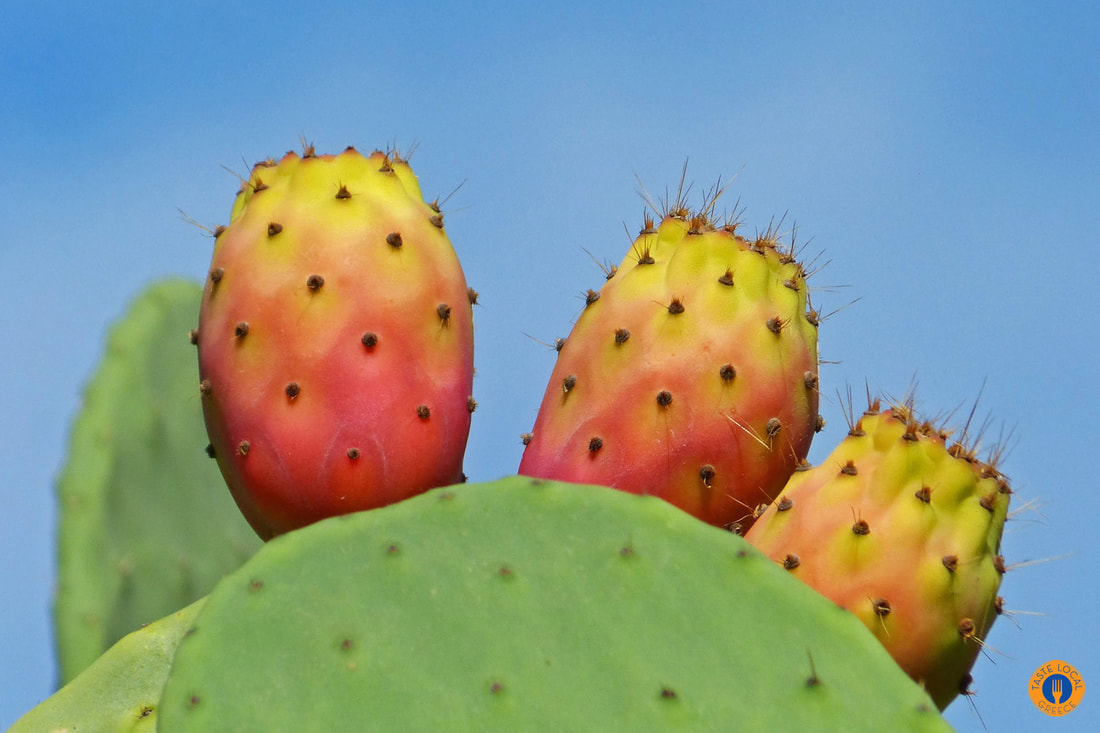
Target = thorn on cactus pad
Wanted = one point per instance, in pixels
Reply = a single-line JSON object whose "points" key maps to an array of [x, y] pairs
{"points": [[274, 228], [219, 230], [205, 388], [193, 335], [924, 493], [472, 295], [999, 605], [595, 444], [776, 324], [423, 412], [999, 564], [496, 688], [813, 318], [849, 469], [667, 693], [951, 562], [861, 527], [622, 335], [790, 562], [241, 329], [881, 607], [727, 372], [243, 447], [353, 453], [217, 274], [591, 297], [343, 194], [813, 680], [258, 186], [989, 501], [293, 389], [444, 312], [727, 279], [676, 307], [664, 398], [707, 473], [525, 438], [315, 282], [568, 383], [819, 423], [210, 450], [791, 284], [394, 240], [810, 380], [471, 404], [784, 503], [370, 339], [558, 344]]}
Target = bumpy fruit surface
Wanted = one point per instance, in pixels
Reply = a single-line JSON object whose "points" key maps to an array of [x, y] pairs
{"points": [[904, 530], [691, 375], [335, 341]]}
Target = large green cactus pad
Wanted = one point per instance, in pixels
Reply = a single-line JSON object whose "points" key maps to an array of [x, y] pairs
{"points": [[526, 605], [120, 691], [145, 524]]}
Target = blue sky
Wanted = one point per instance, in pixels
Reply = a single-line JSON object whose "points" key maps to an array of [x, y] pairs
{"points": [[944, 160]]}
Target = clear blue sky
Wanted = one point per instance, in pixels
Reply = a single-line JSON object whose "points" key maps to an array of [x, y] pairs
{"points": [[944, 158]]}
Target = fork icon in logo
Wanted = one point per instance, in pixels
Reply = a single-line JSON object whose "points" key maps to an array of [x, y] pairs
{"points": [[1057, 688]]}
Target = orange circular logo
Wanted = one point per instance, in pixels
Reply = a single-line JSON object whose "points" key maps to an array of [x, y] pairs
{"points": [[1056, 688]]}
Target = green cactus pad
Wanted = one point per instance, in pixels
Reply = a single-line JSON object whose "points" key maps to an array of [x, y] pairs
{"points": [[120, 690], [145, 523], [525, 605]]}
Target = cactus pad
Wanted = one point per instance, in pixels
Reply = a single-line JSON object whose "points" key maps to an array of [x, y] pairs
{"points": [[120, 690], [528, 605], [145, 524]]}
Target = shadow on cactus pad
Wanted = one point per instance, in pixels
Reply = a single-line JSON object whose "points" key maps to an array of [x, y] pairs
{"points": [[528, 605], [145, 523]]}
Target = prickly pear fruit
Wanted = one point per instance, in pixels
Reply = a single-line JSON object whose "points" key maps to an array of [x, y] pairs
{"points": [[904, 530], [335, 341], [691, 375]]}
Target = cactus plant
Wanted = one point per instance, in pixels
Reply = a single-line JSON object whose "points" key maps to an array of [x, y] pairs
{"points": [[144, 523], [528, 605], [120, 691], [335, 341], [691, 374]]}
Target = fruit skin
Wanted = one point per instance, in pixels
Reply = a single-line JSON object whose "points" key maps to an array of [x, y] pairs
{"points": [[335, 341], [691, 375], [527, 605], [904, 530]]}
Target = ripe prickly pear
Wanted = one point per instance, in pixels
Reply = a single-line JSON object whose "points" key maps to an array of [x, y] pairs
{"points": [[691, 374], [335, 341], [903, 530]]}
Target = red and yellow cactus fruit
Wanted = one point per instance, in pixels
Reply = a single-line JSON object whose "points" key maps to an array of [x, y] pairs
{"points": [[691, 374], [335, 341], [903, 528]]}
